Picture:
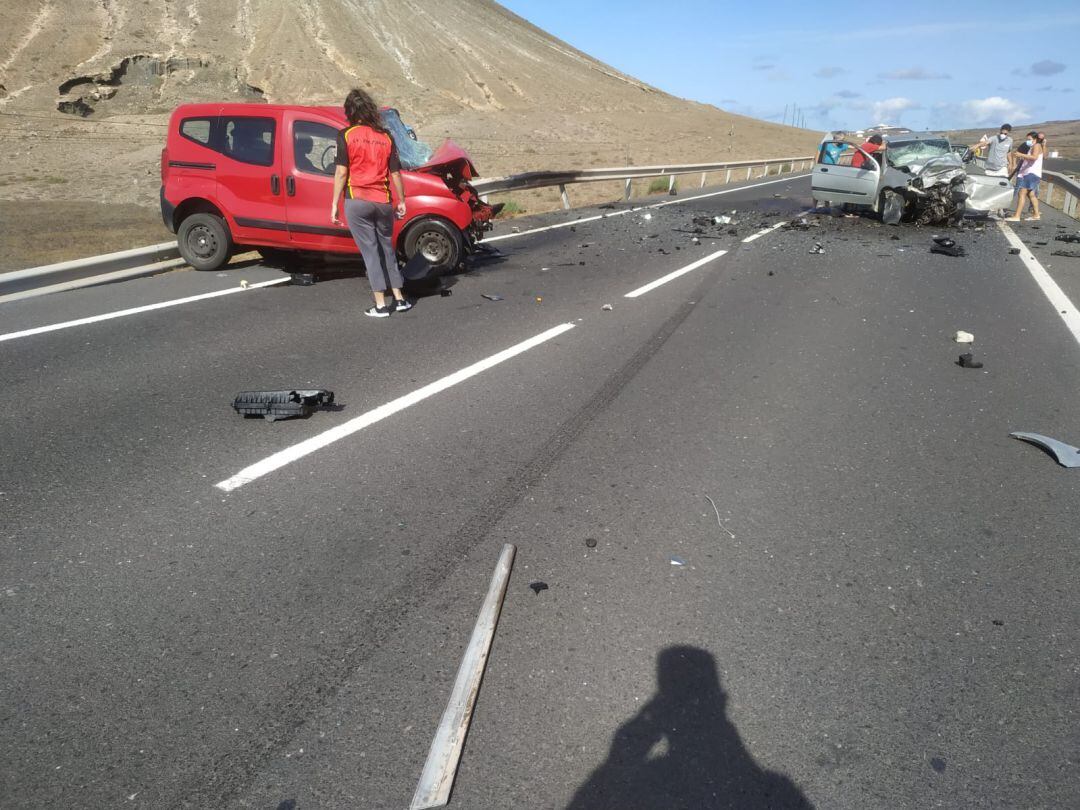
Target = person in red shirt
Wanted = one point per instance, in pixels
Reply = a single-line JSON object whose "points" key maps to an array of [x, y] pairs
{"points": [[875, 143], [367, 164]]}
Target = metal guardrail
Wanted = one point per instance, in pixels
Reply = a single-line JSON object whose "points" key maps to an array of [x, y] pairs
{"points": [[1070, 189], [157, 258], [531, 180], [62, 276]]}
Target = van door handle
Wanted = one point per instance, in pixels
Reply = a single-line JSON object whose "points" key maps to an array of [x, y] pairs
{"points": [[275, 184], [290, 186], [824, 170]]}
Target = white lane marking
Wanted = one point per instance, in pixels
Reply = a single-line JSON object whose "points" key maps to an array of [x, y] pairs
{"points": [[308, 446], [1062, 305], [625, 211], [433, 789], [764, 231], [123, 313], [652, 285]]}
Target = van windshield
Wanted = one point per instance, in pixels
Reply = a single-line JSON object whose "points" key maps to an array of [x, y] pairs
{"points": [[412, 153]]}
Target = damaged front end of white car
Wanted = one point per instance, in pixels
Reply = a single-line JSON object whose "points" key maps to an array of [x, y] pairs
{"points": [[936, 187]]}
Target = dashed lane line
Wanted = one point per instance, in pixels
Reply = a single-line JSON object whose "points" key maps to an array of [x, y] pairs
{"points": [[764, 231], [1062, 305], [682, 271], [309, 446], [634, 210], [123, 313]]}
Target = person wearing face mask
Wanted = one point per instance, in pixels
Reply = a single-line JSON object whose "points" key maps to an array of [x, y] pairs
{"points": [[1029, 176], [998, 160]]}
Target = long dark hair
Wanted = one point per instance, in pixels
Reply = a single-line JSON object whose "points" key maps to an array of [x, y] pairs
{"points": [[360, 108]]}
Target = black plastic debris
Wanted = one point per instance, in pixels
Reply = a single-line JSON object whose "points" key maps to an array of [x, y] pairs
{"points": [[590, 542], [938, 764], [275, 405], [1068, 237], [491, 297], [967, 360], [1069, 254], [445, 293], [1065, 454], [1014, 251], [416, 268], [947, 247], [538, 586], [301, 279]]}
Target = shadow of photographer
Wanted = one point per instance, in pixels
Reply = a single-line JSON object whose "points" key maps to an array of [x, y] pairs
{"points": [[681, 751]]}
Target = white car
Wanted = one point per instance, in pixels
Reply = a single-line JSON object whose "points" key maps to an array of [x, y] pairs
{"points": [[919, 178]]}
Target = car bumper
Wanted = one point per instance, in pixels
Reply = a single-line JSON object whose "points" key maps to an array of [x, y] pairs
{"points": [[167, 211]]}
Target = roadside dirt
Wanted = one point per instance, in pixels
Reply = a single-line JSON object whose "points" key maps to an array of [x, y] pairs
{"points": [[37, 232]]}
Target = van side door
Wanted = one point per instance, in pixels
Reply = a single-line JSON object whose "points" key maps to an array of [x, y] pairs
{"points": [[310, 149], [250, 186], [834, 179]]}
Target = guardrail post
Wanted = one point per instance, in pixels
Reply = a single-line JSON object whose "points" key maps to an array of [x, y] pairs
{"points": [[565, 196], [727, 177], [749, 171], [626, 193], [702, 180], [671, 183], [1070, 205]]}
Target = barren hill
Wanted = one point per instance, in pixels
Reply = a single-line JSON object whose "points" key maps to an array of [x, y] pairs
{"points": [[85, 88]]}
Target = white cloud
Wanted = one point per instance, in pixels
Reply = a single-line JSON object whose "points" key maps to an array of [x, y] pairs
{"points": [[891, 110], [914, 74], [988, 111]]}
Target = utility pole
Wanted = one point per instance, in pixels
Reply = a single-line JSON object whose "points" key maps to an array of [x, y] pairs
{"points": [[784, 121]]}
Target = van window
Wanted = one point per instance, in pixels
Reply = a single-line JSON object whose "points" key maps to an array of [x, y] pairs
{"points": [[249, 140], [314, 147], [196, 129]]}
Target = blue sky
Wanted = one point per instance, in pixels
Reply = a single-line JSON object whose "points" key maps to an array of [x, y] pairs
{"points": [[846, 65]]}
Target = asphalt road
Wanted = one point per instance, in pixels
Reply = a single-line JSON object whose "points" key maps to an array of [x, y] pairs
{"points": [[882, 612]]}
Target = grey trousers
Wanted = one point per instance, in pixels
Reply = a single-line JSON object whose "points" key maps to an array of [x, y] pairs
{"points": [[372, 226]]}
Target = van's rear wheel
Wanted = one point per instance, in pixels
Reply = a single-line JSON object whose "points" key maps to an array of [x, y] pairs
{"points": [[438, 241], [204, 241]]}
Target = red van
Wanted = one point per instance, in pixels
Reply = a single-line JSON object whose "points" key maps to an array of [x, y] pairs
{"points": [[261, 176]]}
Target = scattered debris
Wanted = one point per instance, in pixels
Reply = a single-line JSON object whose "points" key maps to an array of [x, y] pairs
{"points": [[1066, 454], [590, 542], [607, 307], [679, 561], [800, 224], [275, 405], [1014, 251], [1068, 237], [445, 293], [817, 249], [1070, 254], [967, 360], [492, 297], [771, 273], [243, 284], [646, 216], [538, 586], [964, 337], [998, 623], [301, 279], [722, 526], [515, 229], [722, 220], [947, 247], [539, 299], [938, 764]]}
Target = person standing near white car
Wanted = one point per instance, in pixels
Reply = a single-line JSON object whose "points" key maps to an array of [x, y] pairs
{"points": [[998, 159]]}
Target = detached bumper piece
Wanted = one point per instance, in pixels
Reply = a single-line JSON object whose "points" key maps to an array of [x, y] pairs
{"points": [[275, 405]]}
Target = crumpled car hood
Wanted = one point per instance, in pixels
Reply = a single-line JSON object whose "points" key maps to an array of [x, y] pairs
{"points": [[938, 170], [447, 157]]}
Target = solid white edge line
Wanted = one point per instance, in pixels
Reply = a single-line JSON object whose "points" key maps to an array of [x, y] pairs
{"points": [[652, 285], [38, 330], [764, 231], [638, 208], [437, 778], [308, 446], [1062, 305]]}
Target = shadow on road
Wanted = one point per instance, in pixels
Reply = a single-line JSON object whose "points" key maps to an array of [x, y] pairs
{"points": [[681, 751]]}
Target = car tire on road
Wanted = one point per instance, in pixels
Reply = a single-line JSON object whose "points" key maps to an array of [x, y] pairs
{"points": [[438, 241], [891, 206], [204, 241]]}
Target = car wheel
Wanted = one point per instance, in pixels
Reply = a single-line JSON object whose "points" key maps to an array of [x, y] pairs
{"points": [[891, 206], [438, 241], [204, 241]]}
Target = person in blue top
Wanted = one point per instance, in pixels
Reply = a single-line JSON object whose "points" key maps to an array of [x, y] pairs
{"points": [[830, 153]]}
